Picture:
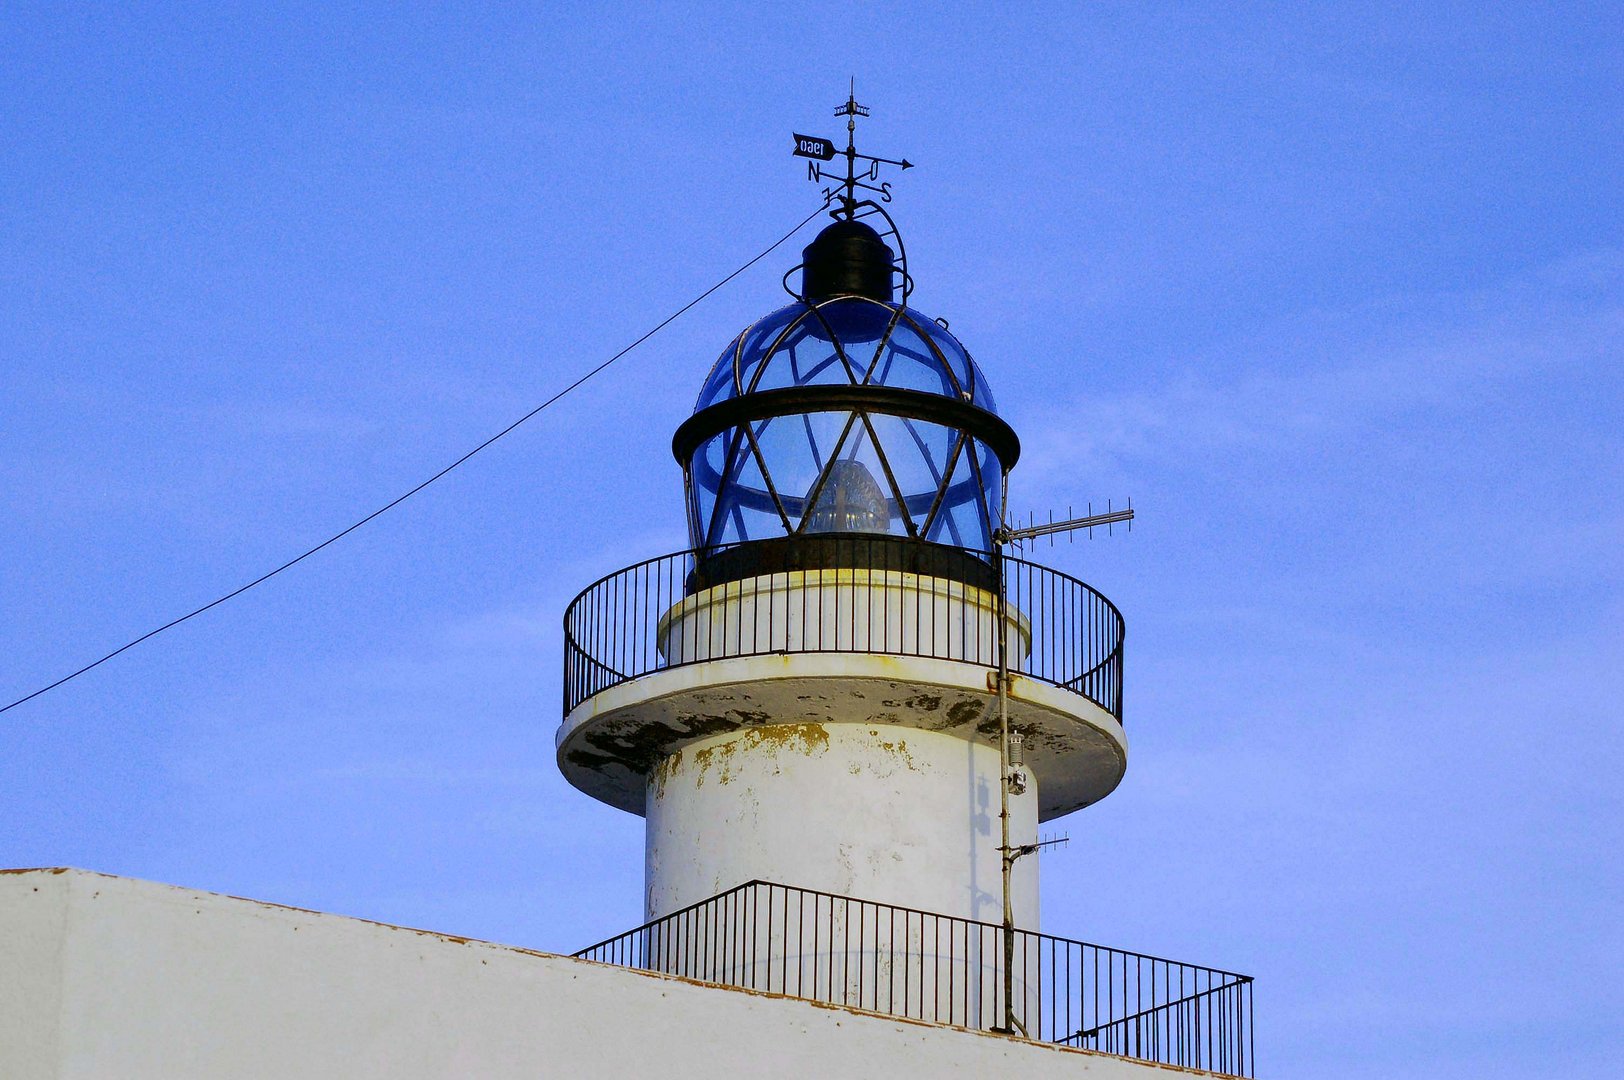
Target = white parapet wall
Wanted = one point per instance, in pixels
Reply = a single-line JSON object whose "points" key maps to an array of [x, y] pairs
{"points": [[851, 610], [108, 977]]}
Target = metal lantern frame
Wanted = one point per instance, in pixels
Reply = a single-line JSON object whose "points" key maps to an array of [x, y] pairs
{"points": [[742, 418]]}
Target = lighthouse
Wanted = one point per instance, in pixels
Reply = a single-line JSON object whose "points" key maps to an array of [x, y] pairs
{"points": [[845, 685], [844, 710]]}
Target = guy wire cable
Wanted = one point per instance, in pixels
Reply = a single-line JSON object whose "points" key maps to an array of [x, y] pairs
{"points": [[667, 321]]}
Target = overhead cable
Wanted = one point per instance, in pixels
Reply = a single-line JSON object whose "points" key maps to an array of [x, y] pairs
{"points": [[385, 508]]}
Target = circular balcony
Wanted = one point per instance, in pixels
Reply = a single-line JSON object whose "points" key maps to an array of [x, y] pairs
{"points": [[829, 629]]}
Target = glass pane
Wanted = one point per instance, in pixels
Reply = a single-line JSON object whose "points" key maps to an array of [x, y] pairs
{"points": [[797, 448], [720, 383], [917, 453], [802, 360], [957, 525], [855, 321], [706, 478], [761, 338], [914, 363], [744, 506], [964, 368], [992, 488]]}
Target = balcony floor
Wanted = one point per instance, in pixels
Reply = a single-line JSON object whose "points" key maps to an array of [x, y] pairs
{"points": [[610, 742]]}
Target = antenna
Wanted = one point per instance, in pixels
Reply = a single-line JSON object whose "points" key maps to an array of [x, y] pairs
{"points": [[1071, 525], [1029, 849], [1010, 743], [820, 150]]}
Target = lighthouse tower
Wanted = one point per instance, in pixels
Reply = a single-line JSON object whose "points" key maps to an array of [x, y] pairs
{"points": [[810, 694]]}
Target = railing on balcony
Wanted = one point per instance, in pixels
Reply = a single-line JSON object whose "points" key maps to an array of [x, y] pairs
{"points": [[852, 593], [942, 969]]}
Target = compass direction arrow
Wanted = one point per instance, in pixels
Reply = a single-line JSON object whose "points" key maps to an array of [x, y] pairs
{"points": [[905, 163]]}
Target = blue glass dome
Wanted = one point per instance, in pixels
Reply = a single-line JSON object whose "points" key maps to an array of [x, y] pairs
{"points": [[884, 344], [845, 415]]}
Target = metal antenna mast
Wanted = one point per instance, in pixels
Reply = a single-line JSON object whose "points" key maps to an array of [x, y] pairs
{"points": [[1004, 537]]}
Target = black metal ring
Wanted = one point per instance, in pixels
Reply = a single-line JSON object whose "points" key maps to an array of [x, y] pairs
{"points": [[978, 423]]}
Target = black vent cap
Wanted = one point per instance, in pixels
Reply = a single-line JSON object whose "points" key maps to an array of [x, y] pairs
{"points": [[847, 259]]}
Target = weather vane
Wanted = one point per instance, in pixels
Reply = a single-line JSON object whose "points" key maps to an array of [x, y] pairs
{"points": [[821, 150]]}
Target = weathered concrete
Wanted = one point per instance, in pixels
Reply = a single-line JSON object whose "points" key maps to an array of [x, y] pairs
{"points": [[610, 744], [108, 977], [881, 812], [878, 812]]}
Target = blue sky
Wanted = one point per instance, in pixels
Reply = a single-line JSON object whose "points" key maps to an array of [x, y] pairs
{"points": [[1334, 292]]}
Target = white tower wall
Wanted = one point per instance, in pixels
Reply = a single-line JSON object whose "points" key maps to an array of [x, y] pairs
{"points": [[887, 813], [895, 815]]}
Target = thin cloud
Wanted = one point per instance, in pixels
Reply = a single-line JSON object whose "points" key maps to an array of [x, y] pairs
{"points": [[1261, 395]]}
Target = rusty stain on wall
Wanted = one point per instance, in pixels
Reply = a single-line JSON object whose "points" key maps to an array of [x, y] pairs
{"points": [[897, 749], [772, 739]]}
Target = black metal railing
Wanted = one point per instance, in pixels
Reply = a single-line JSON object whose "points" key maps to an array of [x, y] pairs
{"points": [[938, 968], [854, 593]]}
